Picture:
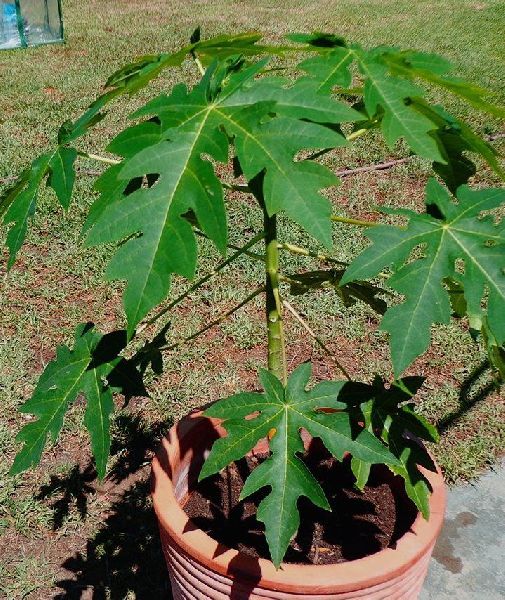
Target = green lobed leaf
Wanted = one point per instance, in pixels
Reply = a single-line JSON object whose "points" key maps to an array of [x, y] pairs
{"points": [[330, 69], [389, 414], [188, 125], [289, 186], [457, 234], [301, 100], [92, 367], [279, 414], [392, 96]]}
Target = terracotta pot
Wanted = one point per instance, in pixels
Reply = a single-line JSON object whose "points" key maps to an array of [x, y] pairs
{"points": [[201, 568]]}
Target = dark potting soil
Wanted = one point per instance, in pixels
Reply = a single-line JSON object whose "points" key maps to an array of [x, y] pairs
{"points": [[360, 524]]}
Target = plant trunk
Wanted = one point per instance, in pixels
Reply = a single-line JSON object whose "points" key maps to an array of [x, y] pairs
{"points": [[275, 327], [273, 304]]}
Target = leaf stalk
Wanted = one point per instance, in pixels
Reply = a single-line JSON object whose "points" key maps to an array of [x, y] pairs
{"points": [[317, 339], [222, 317], [198, 284]]}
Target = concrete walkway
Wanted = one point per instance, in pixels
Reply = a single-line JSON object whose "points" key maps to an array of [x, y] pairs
{"points": [[469, 559]]}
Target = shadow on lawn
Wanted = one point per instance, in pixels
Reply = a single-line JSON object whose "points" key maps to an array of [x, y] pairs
{"points": [[124, 558], [473, 391]]}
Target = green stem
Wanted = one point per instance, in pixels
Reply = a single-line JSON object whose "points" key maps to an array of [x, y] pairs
{"points": [[304, 252], [276, 343], [357, 222], [203, 280], [222, 317], [198, 62], [104, 159], [236, 187], [357, 134]]}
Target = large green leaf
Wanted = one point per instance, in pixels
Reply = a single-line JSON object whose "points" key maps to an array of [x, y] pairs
{"points": [[290, 187], [127, 80], [386, 98], [279, 414], [187, 126], [92, 367], [455, 233], [186, 181], [396, 104]]}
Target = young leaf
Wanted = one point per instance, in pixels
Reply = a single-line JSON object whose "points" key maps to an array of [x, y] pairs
{"points": [[91, 367], [282, 413], [457, 234]]}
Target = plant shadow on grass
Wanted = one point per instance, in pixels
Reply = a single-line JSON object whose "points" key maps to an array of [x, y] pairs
{"points": [[124, 558], [473, 391]]}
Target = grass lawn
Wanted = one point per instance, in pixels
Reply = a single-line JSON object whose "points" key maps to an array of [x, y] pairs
{"points": [[62, 533]]}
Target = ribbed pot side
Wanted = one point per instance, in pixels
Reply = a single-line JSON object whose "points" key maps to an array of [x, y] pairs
{"points": [[201, 568]]}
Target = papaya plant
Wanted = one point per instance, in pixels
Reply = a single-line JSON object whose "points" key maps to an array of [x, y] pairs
{"points": [[164, 189]]}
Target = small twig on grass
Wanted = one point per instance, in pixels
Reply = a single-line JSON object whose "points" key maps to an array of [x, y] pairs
{"points": [[495, 136], [377, 167]]}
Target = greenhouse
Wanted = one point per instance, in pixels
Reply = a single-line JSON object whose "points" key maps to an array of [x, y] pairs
{"points": [[26, 23]]}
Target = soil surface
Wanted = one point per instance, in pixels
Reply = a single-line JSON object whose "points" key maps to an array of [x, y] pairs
{"points": [[360, 524]]}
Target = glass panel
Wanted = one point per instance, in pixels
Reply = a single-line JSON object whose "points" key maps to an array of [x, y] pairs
{"points": [[9, 34], [41, 21]]}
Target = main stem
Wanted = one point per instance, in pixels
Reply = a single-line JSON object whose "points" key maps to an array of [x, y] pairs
{"points": [[275, 326]]}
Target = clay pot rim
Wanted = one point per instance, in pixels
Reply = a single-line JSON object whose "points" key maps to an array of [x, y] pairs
{"points": [[332, 578]]}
